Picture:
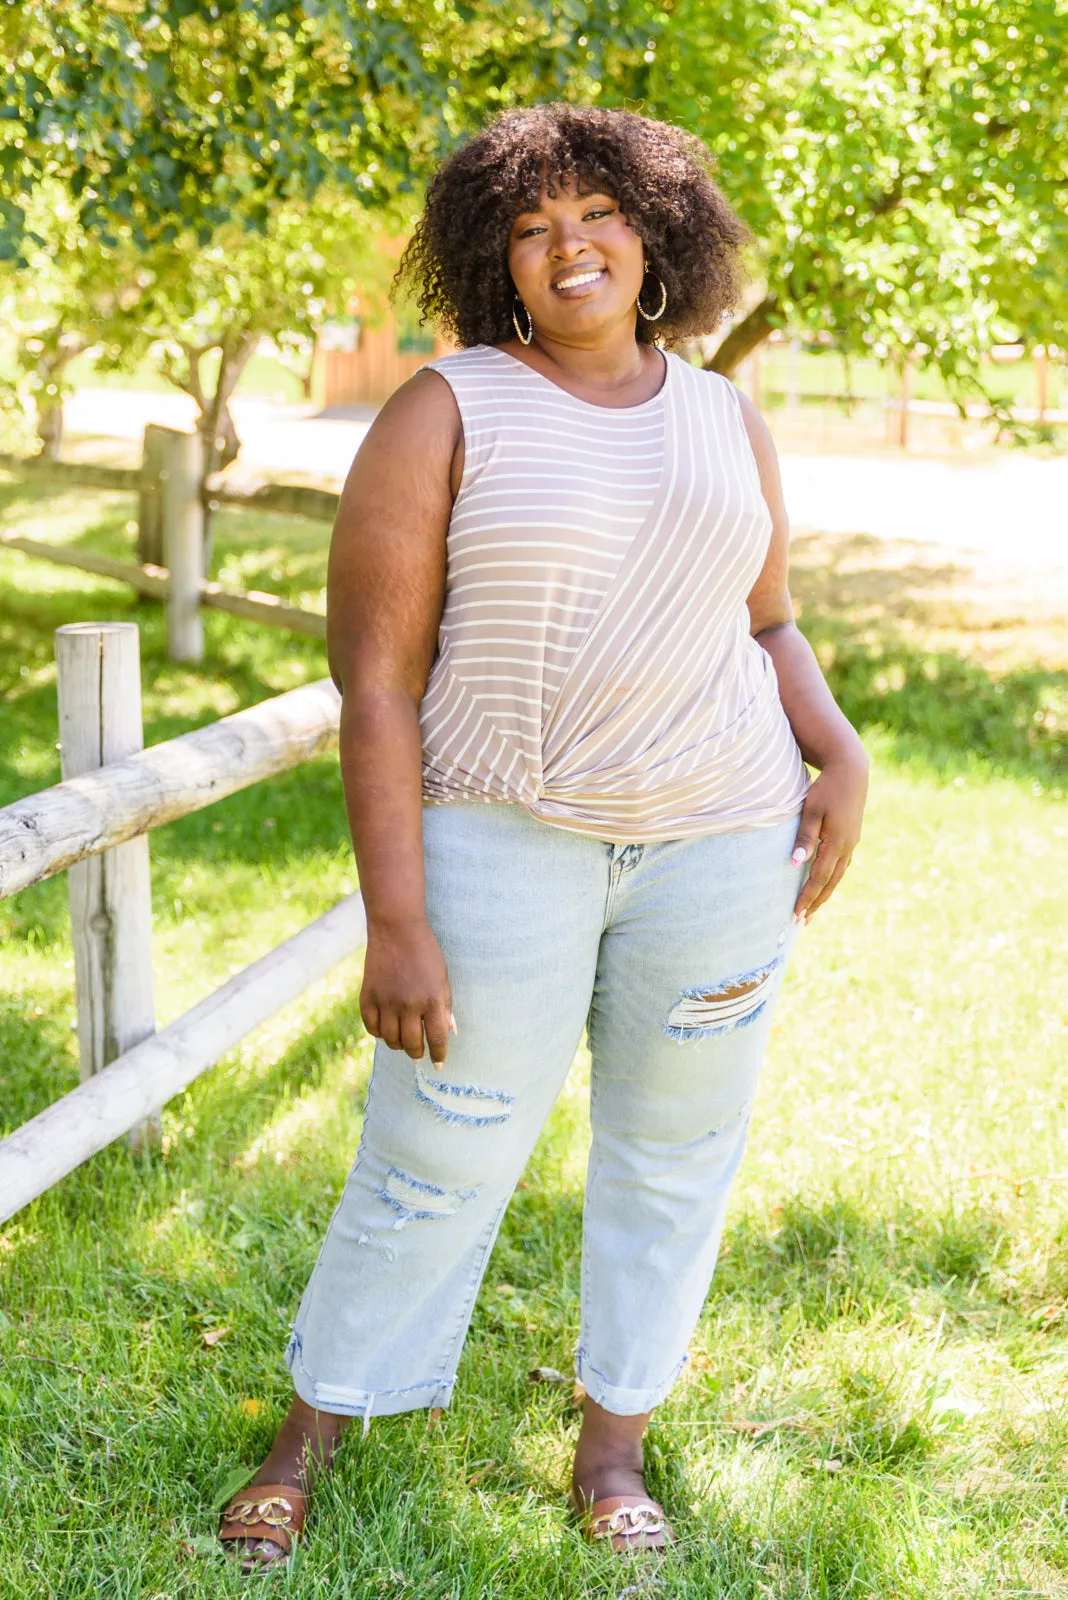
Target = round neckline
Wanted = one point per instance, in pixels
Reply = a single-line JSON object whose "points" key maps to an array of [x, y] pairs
{"points": [[590, 405]]}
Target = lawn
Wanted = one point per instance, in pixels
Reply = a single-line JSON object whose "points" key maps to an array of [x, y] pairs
{"points": [[877, 1398]]}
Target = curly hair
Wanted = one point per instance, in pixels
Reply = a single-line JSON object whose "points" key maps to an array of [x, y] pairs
{"points": [[456, 262]]}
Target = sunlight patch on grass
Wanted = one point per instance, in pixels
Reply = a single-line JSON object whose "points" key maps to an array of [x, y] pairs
{"points": [[876, 1406]]}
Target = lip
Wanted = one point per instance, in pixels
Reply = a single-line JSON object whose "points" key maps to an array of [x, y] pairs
{"points": [[576, 290]]}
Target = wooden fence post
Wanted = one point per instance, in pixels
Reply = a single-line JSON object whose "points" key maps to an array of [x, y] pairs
{"points": [[150, 497], [902, 430], [1041, 360], [98, 670], [183, 544]]}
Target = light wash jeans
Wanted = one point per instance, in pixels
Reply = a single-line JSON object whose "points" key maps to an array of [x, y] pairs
{"points": [[672, 953]]}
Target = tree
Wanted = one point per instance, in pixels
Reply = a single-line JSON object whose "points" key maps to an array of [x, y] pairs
{"points": [[52, 311], [902, 163], [236, 159], [164, 115]]}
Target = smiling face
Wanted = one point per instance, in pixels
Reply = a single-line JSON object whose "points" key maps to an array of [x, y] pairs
{"points": [[577, 264]]}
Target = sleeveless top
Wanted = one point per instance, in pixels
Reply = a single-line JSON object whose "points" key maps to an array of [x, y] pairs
{"points": [[594, 660]]}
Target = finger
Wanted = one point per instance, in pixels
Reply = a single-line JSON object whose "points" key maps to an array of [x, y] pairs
{"points": [[412, 1033], [369, 1016], [808, 835], [819, 887], [390, 1023], [436, 1022], [822, 868], [830, 886]]}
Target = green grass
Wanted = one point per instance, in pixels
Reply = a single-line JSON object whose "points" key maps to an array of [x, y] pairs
{"points": [[825, 373], [877, 1400]]}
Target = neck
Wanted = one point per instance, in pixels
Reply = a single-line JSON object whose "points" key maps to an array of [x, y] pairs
{"points": [[612, 359]]}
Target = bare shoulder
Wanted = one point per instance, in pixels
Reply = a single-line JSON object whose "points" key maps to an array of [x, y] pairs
{"points": [[421, 413], [759, 433]]}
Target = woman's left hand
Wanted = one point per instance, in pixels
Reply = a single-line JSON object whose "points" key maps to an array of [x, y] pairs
{"points": [[830, 826]]}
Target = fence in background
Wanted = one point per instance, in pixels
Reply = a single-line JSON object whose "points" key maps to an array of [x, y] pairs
{"points": [[171, 544], [93, 825]]}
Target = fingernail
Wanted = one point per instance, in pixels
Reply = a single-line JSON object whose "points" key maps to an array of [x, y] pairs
{"points": [[452, 1024], [799, 855], [799, 918], [437, 1065]]}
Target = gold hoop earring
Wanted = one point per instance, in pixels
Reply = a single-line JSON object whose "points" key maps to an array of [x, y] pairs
{"points": [[515, 322], [653, 316]]}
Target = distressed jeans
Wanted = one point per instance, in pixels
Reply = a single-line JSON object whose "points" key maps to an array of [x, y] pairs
{"points": [[671, 954]]}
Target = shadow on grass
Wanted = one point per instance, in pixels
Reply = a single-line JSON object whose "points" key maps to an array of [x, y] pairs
{"points": [[940, 703], [476, 1503], [818, 1266]]}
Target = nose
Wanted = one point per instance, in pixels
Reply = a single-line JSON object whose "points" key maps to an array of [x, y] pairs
{"points": [[568, 240]]}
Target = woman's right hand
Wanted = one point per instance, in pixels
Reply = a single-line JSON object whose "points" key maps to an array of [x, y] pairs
{"points": [[406, 991]]}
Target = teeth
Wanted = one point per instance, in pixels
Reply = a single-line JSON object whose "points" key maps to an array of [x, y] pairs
{"points": [[582, 277]]}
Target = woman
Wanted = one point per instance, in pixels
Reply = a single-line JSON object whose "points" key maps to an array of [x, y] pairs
{"points": [[576, 715]]}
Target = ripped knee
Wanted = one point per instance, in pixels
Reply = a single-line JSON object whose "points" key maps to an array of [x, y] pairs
{"points": [[721, 1007], [415, 1201], [471, 1104]]}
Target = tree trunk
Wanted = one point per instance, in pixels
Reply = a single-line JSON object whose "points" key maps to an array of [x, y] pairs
{"points": [[215, 423], [50, 428], [221, 443], [307, 377], [59, 351], [745, 337]]}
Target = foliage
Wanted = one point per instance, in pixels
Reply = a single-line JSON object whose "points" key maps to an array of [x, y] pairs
{"points": [[167, 114], [244, 164], [902, 163], [51, 309]]}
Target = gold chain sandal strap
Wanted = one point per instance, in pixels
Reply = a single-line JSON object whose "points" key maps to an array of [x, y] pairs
{"points": [[626, 1521], [276, 1511]]}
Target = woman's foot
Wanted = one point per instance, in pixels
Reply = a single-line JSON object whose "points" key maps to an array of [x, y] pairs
{"points": [[608, 1456], [303, 1447], [607, 1485]]}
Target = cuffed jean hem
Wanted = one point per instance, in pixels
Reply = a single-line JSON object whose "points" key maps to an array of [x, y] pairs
{"points": [[621, 1402], [365, 1403]]}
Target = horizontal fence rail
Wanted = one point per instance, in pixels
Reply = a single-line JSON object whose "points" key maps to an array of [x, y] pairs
{"points": [[173, 539], [148, 580], [47, 832], [286, 499], [254, 604], [93, 823], [132, 1088]]}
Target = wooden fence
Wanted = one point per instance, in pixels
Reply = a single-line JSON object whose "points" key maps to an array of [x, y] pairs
{"points": [[172, 499], [93, 825]]}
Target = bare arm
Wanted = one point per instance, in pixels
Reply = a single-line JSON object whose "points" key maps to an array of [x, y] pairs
{"points": [[385, 591], [831, 820]]}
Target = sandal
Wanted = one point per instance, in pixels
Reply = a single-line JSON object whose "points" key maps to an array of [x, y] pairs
{"points": [[628, 1521], [273, 1512]]}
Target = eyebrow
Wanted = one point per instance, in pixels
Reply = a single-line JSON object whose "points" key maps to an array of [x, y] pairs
{"points": [[585, 194]]}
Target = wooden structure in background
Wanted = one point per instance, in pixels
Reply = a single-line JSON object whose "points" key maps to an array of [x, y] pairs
{"points": [[369, 374]]}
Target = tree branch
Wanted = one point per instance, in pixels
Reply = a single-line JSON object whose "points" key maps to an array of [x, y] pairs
{"points": [[744, 337]]}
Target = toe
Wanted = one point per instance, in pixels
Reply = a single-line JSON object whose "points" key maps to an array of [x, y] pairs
{"points": [[256, 1553]]}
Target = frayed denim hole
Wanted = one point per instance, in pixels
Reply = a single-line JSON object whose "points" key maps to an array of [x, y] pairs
{"points": [[713, 1009], [415, 1201], [446, 1100]]}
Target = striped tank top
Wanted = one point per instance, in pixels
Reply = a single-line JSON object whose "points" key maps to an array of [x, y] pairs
{"points": [[594, 659]]}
